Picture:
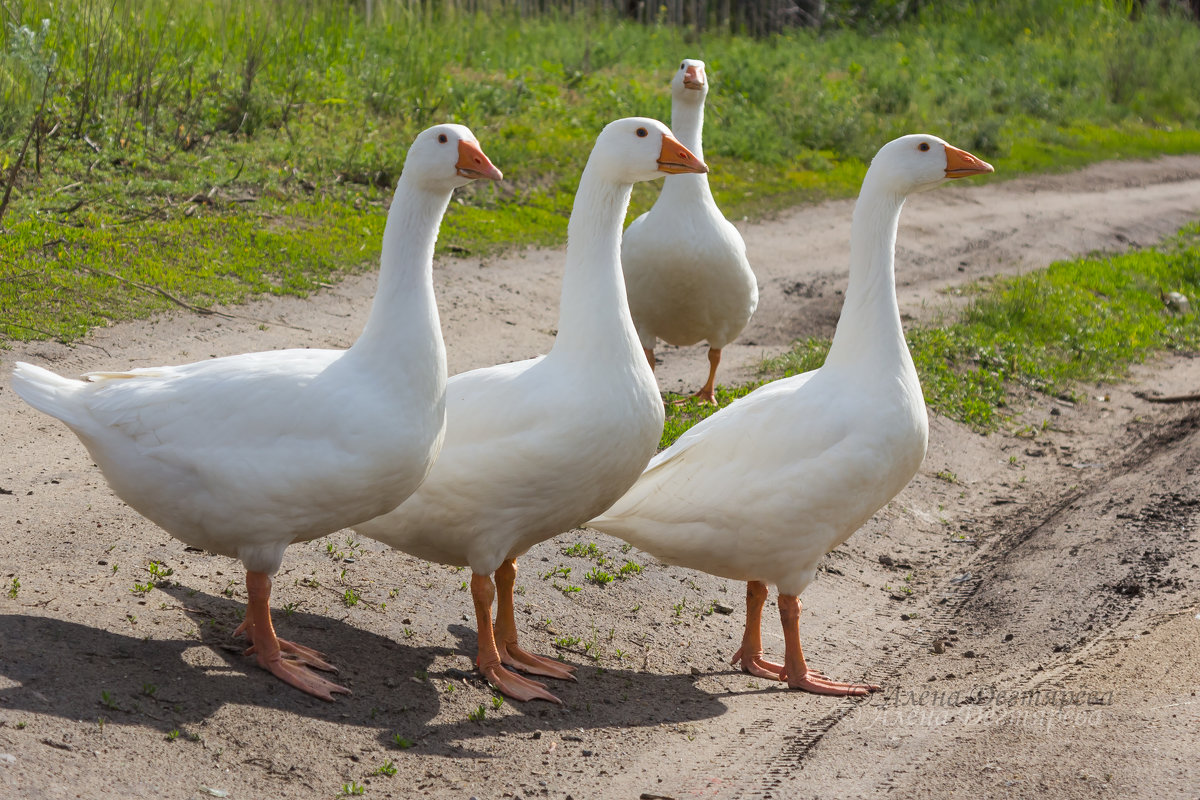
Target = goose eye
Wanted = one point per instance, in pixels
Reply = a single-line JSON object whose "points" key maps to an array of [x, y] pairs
{"points": [[642, 132], [442, 139], [681, 66], [923, 146]]}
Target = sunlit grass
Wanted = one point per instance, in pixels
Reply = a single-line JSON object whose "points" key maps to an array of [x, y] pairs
{"points": [[107, 271], [168, 121], [1077, 321]]}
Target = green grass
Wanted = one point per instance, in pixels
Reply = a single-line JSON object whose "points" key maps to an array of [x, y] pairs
{"points": [[1077, 321], [599, 577], [690, 411], [218, 150], [588, 550], [105, 271], [1047, 331]]}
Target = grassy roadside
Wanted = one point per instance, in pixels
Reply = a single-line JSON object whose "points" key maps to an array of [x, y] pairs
{"points": [[1047, 331], [213, 151]]}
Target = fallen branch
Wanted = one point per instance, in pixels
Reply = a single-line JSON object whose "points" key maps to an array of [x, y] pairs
{"points": [[17, 276], [71, 209], [53, 336], [47, 334], [1176, 398], [159, 291], [185, 304]]}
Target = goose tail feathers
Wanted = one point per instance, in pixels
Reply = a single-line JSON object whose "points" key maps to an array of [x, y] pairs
{"points": [[46, 391]]}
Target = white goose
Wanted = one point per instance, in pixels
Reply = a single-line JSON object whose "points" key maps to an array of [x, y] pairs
{"points": [[247, 454], [534, 448], [685, 264], [764, 488]]}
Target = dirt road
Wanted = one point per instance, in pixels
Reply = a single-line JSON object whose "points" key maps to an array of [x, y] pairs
{"points": [[1030, 601]]}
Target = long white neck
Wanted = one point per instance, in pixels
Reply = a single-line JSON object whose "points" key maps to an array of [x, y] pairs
{"points": [[594, 311], [869, 332], [403, 327], [687, 123]]}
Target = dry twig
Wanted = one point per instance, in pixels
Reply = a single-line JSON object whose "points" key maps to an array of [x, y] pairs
{"points": [[1175, 398]]}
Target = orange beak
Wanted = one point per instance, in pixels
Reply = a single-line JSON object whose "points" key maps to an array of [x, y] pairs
{"points": [[693, 77], [961, 164], [675, 158], [473, 164]]}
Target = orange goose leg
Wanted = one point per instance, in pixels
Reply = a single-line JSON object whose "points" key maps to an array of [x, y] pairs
{"points": [[706, 392], [270, 649], [796, 672], [751, 651], [511, 654], [488, 659]]}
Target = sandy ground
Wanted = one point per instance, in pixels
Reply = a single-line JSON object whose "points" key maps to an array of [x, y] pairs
{"points": [[1030, 601]]}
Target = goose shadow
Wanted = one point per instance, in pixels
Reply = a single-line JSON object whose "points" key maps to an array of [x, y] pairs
{"points": [[78, 672], [602, 697]]}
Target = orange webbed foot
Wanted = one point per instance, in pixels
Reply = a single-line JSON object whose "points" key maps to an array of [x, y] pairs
{"points": [[291, 663], [815, 682], [293, 672], [510, 684], [755, 664], [296, 652], [300, 654], [512, 655]]}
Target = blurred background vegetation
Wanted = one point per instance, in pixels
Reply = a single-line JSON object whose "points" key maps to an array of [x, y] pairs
{"points": [[156, 151]]}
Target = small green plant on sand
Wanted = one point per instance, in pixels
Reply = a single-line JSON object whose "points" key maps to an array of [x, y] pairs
{"points": [[599, 577]]}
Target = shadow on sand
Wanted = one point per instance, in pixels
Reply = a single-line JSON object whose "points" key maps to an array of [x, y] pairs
{"points": [[82, 673]]}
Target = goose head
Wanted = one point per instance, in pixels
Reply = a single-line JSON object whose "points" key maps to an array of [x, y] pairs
{"points": [[641, 149], [690, 84], [920, 162], [445, 157]]}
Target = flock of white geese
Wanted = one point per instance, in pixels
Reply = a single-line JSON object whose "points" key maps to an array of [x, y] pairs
{"points": [[246, 454]]}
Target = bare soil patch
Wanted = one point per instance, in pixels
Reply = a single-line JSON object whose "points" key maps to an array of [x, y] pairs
{"points": [[1029, 602]]}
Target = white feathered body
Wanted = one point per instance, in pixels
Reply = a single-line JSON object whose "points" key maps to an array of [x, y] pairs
{"points": [[685, 264], [767, 486], [686, 269], [532, 449], [242, 454]]}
